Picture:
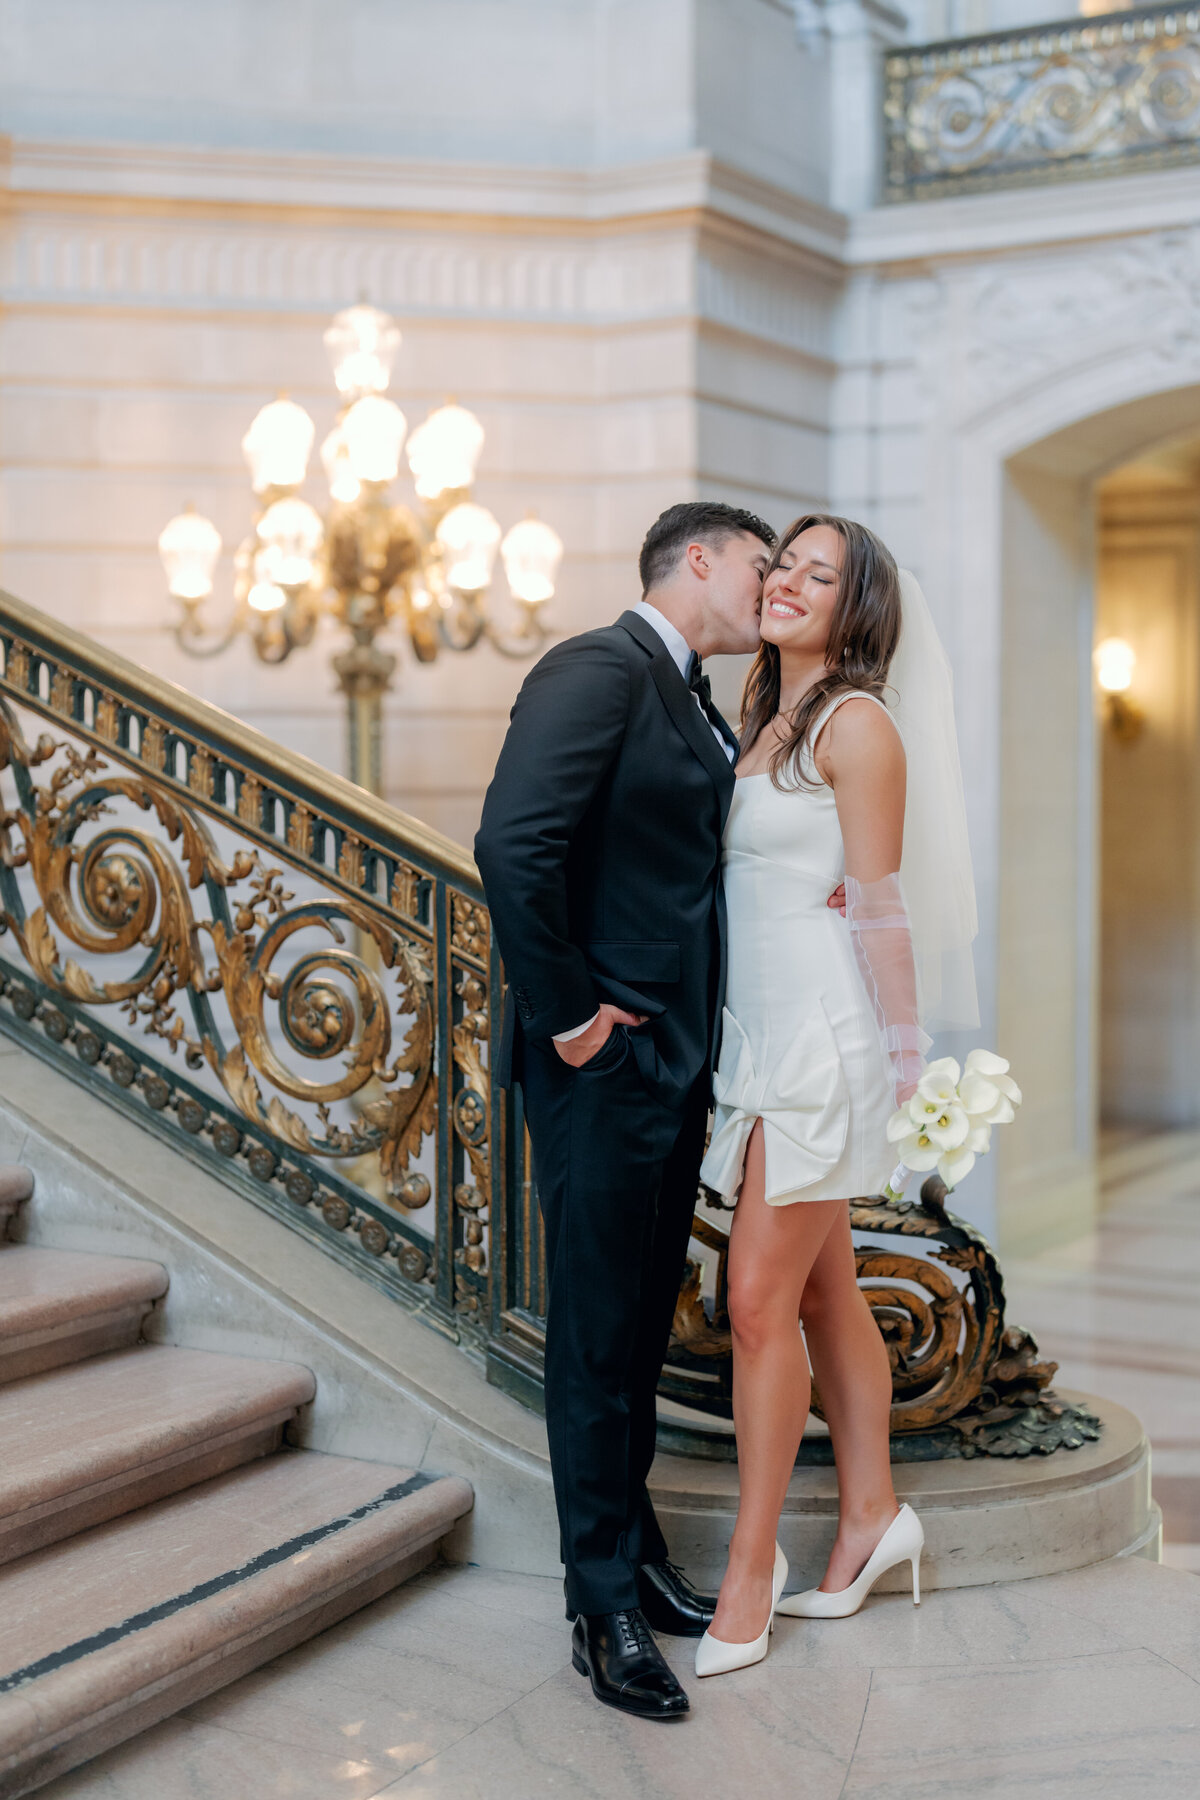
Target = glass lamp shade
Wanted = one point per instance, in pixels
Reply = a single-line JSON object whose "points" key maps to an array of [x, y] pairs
{"points": [[374, 431], [290, 533], [531, 552], [189, 546], [444, 451], [1115, 661], [362, 343], [277, 446], [344, 484], [266, 597], [469, 537]]}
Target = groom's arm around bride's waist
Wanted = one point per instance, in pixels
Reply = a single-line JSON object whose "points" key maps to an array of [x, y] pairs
{"points": [[566, 728]]}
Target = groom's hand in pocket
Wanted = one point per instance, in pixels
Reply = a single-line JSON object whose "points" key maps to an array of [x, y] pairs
{"points": [[837, 900], [581, 1049]]}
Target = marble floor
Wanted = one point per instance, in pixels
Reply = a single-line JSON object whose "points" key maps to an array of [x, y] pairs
{"points": [[1073, 1687], [1083, 1686], [1118, 1311]]}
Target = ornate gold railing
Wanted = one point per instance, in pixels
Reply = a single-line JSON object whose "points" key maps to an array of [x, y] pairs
{"points": [[298, 985], [1099, 96], [261, 962]]}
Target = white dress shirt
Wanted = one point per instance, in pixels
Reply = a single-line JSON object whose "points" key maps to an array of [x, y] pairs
{"points": [[680, 652]]}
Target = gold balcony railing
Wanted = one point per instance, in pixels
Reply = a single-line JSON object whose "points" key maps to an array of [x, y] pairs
{"points": [[298, 986], [1087, 97]]}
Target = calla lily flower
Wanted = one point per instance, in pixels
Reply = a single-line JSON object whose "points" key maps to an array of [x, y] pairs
{"points": [[956, 1166], [979, 1096], [948, 1121], [995, 1069], [918, 1152], [937, 1110], [940, 1080]]}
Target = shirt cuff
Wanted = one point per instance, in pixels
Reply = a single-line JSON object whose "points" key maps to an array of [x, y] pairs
{"points": [[564, 1037]]}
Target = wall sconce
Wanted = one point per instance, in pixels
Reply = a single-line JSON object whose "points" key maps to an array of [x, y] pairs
{"points": [[1114, 662]]}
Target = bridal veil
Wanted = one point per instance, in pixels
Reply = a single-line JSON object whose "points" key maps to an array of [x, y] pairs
{"points": [[935, 869]]}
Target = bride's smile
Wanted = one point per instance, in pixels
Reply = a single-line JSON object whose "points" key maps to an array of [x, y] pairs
{"points": [[800, 594]]}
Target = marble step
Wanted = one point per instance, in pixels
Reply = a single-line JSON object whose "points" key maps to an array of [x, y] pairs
{"points": [[16, 1185], [86, 1443], [60, 1306], [105, 1635]]}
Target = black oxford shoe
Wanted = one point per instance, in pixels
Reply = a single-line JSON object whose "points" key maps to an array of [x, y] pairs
{"points": [[671, 1603], [625, 1665]]}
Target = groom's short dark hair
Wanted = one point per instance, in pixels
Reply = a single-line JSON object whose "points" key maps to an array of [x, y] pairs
{"points": [[703, 521]]}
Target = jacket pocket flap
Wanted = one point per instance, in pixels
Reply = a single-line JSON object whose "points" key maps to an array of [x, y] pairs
{"points": [[636, 961]]}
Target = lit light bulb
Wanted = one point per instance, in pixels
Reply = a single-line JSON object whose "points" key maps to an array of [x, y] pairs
{"points": [[277, 446], [344, 484], [421, 597], [444, 451], [374, 431], [290, 533], [469, 537], [362, 343], [1114, 661], [189, 546], [531, 552], [266, 597]]}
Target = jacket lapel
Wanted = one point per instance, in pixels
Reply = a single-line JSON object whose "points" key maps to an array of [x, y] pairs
{"points": [[680, 704]]}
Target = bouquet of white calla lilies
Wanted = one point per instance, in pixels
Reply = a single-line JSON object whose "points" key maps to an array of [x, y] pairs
{"points": [[948, 1122]]}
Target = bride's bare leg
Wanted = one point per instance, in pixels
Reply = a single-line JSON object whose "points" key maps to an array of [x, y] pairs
{"points": [[853, 1378], [772, 1250]]}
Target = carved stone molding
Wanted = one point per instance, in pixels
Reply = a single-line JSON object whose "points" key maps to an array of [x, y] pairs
{"points": [[968, 337], [179, 264], [1047, 316]]}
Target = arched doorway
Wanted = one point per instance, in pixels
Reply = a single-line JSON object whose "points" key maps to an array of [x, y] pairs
{"points": [[1148, 603], [1098, 941], [1077, 921]]}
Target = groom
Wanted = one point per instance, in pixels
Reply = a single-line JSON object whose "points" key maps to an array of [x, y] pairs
{"points": [[600, 850]]}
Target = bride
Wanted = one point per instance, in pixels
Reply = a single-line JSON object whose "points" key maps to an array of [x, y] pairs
{"points": [[822, 1035]]}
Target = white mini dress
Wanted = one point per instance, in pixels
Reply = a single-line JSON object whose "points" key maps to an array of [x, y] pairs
{"points": [[800, 1046]]}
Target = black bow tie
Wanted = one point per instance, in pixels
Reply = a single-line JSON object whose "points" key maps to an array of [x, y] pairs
{"points": [[698, 681]]}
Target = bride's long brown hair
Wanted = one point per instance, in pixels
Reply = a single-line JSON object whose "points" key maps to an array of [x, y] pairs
{"points": [[863, 633]]}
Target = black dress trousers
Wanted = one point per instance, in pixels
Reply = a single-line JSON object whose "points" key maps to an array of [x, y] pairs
{"points": [[617, 1172]]}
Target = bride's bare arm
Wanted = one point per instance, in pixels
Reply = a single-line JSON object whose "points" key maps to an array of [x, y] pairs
{"points": [[860, 755]]}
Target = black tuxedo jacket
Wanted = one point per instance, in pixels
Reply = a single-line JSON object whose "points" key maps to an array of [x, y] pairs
{"points": [[600, 851]]}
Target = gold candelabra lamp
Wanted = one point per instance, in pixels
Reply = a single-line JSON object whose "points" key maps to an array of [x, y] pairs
{"points": [[369, 562]]}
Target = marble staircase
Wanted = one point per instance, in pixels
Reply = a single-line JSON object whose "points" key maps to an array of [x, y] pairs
{"points": [[58, 1307], [157, 1540]]}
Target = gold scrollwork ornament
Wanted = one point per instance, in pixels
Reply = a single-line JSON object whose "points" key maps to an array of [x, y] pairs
{"points": [[124, 890]]}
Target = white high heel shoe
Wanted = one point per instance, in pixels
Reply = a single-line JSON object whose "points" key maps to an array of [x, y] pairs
{"points": [[903, 1541], [715, 1657]]}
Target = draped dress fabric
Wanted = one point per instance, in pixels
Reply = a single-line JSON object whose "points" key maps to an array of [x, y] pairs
{"points": [[800, 1048]]}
